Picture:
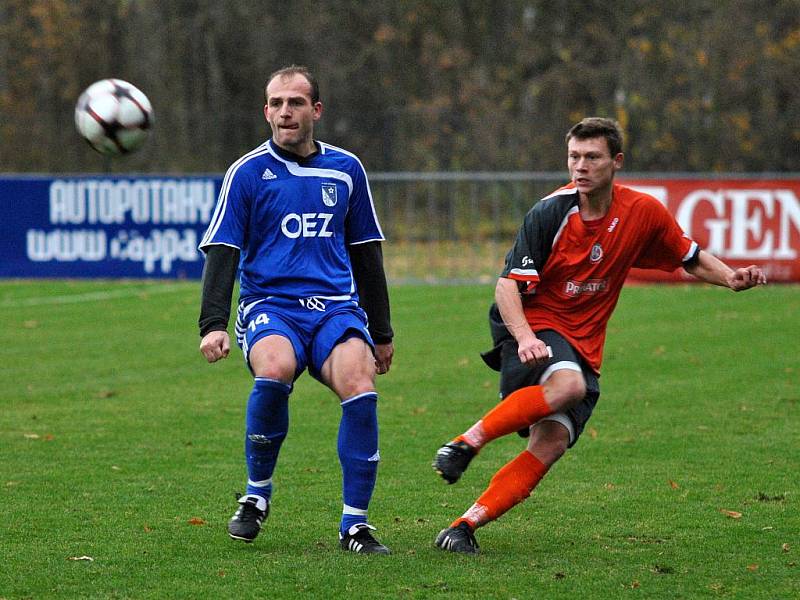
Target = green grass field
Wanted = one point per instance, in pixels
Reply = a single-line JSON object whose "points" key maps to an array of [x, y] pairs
{"points": [[120, 452]]}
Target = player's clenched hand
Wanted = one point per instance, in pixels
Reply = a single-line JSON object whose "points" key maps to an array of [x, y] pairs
{"points": [[383, 357], [532, 351], [745, 278], [215, 345]]}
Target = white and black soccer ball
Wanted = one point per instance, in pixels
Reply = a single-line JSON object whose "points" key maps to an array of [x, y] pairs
{"points": [[114, 116]]}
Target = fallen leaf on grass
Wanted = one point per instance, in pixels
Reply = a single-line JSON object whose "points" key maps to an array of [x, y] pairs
{"points": [[105, 394], [593, 433], [673, 484], [762, 497], [786, 547], [752, 568], [87, 558], [147, 529], [662, 570], [196, 521], [731, 513]]}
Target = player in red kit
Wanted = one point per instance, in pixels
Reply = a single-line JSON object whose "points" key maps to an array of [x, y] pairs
{"points": [[553, 300]]}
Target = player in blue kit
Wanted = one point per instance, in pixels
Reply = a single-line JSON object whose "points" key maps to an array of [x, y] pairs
{"points": [[295, 216]]}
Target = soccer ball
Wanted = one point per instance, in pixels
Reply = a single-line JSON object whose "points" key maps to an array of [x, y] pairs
{"points": [[114, 116]]}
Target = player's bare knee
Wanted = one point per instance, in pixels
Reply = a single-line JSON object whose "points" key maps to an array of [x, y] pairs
{"points": [[347, 388], [273, 366], [574, 389], [272, 357], [564, 389], [275, 371], [350, 370]]}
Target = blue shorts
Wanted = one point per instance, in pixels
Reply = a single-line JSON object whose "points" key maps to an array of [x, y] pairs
{"points": [[314, 326]]}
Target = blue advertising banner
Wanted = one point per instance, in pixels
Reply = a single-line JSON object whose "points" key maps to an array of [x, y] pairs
{"points": [[100, 226]]}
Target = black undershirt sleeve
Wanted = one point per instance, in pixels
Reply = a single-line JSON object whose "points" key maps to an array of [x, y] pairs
{"points": [[219, 276], [693, 260], [367, 261]]}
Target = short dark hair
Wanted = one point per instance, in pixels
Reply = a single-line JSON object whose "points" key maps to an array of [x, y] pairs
{"points": [[594, 127], [295, 70]]}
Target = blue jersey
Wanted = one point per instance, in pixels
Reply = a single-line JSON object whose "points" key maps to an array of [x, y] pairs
{"points": [[293, 219]]}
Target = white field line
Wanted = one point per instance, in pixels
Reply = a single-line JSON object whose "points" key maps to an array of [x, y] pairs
{"points": [[93, 296]]}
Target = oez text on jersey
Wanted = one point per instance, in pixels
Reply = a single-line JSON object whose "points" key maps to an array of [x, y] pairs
{"points": [[307, 225]]}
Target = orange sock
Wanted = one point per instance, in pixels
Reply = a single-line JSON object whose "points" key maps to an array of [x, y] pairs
{"points": [[510, 485], [519, 409]]}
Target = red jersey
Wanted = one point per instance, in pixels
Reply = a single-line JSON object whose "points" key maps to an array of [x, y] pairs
{"points": [[575, 269]]}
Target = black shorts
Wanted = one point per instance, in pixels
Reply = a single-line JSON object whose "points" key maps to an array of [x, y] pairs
{"points": [[515, 375]]}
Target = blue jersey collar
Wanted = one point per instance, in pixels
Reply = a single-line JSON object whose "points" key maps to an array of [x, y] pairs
{"points": [[291, 156]]}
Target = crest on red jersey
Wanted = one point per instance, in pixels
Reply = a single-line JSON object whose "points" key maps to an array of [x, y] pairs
{"points": [[597, 253]]}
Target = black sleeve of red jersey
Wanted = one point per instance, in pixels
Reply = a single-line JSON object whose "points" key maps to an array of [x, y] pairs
{"points": [[219, 277], [693, 259], [534, 242], [367, 262]]}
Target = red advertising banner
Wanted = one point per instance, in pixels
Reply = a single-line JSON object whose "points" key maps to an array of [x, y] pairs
{"points": [[742, 221]]}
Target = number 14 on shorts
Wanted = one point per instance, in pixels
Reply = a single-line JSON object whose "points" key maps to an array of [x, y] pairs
{"points": [[263, 319]]}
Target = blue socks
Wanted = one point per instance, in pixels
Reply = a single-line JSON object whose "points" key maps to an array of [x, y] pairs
{"points": [[267, 425], [358, 454]]}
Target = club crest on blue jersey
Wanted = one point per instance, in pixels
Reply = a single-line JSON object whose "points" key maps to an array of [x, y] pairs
{"points": [[329, 194], [597, 253]]}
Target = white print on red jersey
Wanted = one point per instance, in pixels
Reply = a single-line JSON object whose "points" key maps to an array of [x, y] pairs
{"points": [[592, 286]]}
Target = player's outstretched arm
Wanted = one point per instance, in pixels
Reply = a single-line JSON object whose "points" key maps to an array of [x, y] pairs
{"points": [[710, 269]]}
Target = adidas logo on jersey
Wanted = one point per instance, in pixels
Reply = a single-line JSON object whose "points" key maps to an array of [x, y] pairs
{"points": [[267, 174]]}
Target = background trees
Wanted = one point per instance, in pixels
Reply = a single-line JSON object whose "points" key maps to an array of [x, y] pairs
{"points": [[706, 85]]}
